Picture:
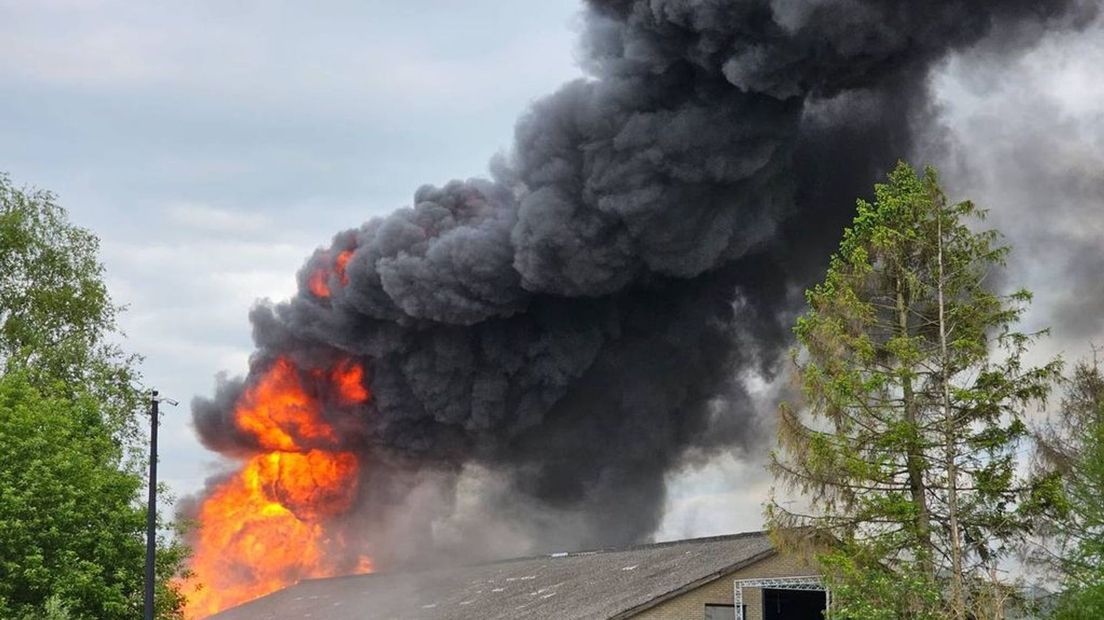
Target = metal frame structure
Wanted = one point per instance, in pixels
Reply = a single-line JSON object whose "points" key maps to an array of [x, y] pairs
{"points": [[801, 582]]}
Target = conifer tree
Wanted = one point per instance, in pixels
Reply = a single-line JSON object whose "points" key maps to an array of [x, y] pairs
{"points": [[902, 447], [1072, 451]]}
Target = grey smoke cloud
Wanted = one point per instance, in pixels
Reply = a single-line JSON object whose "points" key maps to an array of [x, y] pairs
{"points": [[579, 324], [1028, 143]]}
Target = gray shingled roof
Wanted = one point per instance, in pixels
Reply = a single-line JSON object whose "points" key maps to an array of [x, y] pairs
{"points": [[584, 585]]}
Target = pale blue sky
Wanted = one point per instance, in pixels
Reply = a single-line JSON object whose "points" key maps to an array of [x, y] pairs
{"points": [[213, 145]]}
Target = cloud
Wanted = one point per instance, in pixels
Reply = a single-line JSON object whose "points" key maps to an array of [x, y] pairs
{"points": [[351, 60], [205, 218]]}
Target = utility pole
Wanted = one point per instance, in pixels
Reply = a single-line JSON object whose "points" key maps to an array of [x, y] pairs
{"points": [[151, 509]]}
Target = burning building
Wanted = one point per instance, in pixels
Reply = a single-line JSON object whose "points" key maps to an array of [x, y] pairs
{"points": [[734, 577], [514, 364]]}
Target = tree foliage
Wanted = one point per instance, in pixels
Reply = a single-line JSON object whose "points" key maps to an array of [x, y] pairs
{"points": [[70, 530], [1072, 458], [56, 317], [913, 390], [72, 520]]}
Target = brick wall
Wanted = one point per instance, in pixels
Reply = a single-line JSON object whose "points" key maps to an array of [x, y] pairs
{"points": [[691, 605]]}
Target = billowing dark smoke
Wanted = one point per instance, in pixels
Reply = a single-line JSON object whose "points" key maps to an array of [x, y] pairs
{"points": [[580, 325]]}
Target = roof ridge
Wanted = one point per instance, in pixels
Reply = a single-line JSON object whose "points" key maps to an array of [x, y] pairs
{"points": [[682, 541], [557, 555]]}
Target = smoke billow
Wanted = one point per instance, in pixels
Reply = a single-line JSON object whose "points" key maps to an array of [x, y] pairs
{"points": [[579, 325], [1031, 147]]}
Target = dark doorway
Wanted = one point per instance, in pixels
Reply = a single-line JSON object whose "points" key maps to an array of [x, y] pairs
{"points": [[793, 604]]}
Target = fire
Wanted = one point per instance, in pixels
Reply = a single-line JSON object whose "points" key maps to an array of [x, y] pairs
{"points": [[365, 565], [262, 528], [340, 264], [348, 377], [277, 410], [319, 284]]}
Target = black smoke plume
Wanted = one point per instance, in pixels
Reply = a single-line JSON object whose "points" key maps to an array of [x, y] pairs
{"points": [[580, 325]]}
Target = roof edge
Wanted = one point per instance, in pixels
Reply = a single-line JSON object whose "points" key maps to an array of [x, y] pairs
{"points": [[637, 547], [693, 585], [680, 541], [620, 615]]}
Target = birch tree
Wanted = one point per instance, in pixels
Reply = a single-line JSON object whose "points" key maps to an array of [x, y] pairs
{"points": [[57, 320]]}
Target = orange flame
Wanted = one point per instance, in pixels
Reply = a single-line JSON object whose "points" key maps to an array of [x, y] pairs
{"points": [[365, 565], [262, 528], [348, 377], [318, 283], [340, 264], [277, 407]]}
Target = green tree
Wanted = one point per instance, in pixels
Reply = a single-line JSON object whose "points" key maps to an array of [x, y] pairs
{"points": [[72, 466], [71, 532], [903, 444], [1072, 458], [57, 320]]}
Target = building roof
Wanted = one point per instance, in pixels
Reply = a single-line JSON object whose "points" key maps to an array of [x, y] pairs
{"points": [[612, 583]]}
